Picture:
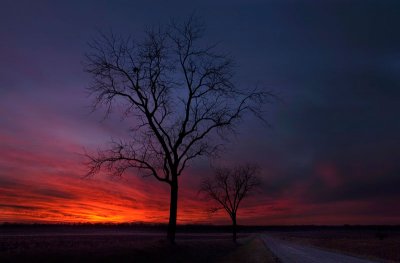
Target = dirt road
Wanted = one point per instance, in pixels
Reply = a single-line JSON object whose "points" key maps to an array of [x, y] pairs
{"points": [[294, 253]]}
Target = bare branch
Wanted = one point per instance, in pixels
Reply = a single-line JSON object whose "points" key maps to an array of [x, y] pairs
{"points": [[178, 95], [230, 186]]}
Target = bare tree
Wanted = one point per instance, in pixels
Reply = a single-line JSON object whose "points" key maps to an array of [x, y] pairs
{"points": [[229, 187], [178, 96]]}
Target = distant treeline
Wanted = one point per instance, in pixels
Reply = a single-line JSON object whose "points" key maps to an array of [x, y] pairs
{"points": [[197, 228]]}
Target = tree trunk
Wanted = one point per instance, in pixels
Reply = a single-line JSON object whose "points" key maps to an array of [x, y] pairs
{"points": [[173, 211], [234, 227]]}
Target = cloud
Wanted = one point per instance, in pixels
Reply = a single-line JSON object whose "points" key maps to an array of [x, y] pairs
{"points": [[331, 155]]}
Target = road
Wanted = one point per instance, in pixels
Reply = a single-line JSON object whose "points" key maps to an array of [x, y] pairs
{"points": [[293, 253]]}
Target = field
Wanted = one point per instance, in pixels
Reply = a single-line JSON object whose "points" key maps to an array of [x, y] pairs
{"points": [[194, 244], [116, 244], [112, 248], [376, 244]]}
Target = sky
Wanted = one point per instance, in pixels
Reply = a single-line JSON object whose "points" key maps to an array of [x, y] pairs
{"points": [[330, 155]]}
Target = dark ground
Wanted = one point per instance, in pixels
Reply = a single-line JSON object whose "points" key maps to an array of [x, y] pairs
{"points": [[380, 244], [111, 246], [147, 243]]}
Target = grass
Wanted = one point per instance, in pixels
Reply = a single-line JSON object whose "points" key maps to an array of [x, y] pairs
{"points": [[252, 250], [130, 248], [108, 248], [102, 248]]}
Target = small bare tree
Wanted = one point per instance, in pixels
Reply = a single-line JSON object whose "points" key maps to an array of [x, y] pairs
{"points": [[178, 96], [229, 187]]}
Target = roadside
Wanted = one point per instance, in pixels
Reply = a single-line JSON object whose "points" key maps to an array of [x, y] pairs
{"points": [[382, 246], [251, 250], [289, 252]]}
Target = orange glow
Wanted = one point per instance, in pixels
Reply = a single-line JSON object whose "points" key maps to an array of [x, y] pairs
{"points": [[42, 181], [52, 198]]}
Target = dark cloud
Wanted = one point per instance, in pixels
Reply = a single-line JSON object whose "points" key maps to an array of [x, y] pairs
{"points": [[55, 193], [19, 207]]}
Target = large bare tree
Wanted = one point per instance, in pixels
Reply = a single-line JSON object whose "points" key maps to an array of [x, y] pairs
{"points": [[178, 96], [229, 187]]}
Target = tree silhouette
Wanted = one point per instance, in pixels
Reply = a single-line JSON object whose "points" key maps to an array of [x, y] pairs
{"points": [[177, 94], [229, 187]]}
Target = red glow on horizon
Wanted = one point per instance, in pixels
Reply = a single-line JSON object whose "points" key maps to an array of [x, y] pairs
{"points": [[41, 180]]}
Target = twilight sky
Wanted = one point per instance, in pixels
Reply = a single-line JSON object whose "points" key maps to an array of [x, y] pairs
{"points": [[332, 155]]}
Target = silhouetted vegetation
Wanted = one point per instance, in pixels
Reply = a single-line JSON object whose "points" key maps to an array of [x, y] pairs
{"points": [[229, 187], [179, 94]]}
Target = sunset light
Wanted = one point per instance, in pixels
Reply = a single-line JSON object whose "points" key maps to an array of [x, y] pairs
{"points": [[199, 131]]}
